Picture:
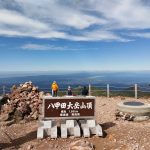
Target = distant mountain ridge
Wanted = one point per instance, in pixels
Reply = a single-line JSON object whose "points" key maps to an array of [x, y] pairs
{"points": [[81, 78]]}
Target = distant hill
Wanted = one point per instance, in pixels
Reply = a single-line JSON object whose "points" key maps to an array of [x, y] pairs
{"points": [[118, 79]]}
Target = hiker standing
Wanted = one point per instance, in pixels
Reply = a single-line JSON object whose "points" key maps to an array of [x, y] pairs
{"points": [[54, 89], [69, 92], [85, 91]]}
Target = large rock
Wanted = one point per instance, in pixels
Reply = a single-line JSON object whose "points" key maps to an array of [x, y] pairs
{"points": [[35, 115], [6, 123], [18, 116], [41, 94], [8, 108], [4, 117], [81, 145]]}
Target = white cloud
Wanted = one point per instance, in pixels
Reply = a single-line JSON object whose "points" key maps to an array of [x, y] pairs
{"points": [[140, 35], [31, 46], [56, 12], [13, 18], [48, 47], [127, 13], [98, 35], [13, 23], [86, 20]]}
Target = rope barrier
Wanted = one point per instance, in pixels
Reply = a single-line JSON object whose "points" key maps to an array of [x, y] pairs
{"points": [[122, 90], [121, 87], [145, 91], [144, 88], [93, 89], [99, 86]]}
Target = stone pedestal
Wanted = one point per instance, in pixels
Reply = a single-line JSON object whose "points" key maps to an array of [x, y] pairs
{"points": [[70, 127], [90, 127], [47, 128]]}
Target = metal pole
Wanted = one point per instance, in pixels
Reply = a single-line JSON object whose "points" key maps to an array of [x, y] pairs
{"points": [[89, 89], [135, 87], [4, 90], [108, 91]]}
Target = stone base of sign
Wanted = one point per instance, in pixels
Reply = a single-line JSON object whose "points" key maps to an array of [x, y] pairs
{"points": [[90, 127], [47, 128], [70, 127], [40, 133]]}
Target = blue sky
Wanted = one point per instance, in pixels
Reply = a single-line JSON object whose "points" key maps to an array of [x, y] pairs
{"points": [[78, 35]]}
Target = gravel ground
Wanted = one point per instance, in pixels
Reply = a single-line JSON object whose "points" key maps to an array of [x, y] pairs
{"points": [[118, 134]]}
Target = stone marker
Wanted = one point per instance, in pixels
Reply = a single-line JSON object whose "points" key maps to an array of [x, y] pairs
{"points": [[133, 111]]}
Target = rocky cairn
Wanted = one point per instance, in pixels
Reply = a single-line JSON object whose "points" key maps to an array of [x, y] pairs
{"points": [[23, 103]]}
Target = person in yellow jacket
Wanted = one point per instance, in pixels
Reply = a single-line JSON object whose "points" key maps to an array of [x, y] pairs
{"points": [[54, 88]]}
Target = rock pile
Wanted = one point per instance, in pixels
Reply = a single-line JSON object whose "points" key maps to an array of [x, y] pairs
{"points": [[22, 103], [124, 116]]}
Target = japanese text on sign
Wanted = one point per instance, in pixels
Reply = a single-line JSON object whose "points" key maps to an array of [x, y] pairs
{"points": [[70, 105], [71, 108]]}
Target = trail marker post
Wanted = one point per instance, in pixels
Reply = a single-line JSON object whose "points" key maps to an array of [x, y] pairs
{"points": [[89, 89], [135, 87], [108, 91]]}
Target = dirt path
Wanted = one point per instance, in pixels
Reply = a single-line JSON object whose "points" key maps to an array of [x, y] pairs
{"points": [[119, 135]]}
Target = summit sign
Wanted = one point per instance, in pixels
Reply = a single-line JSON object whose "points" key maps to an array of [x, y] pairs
{"points": [[69, 107]]}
